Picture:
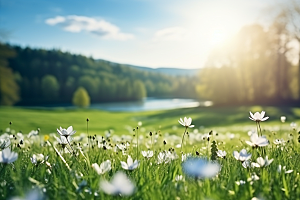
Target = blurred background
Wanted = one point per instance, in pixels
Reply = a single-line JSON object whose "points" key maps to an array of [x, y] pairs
{"points": [[233, 52]]}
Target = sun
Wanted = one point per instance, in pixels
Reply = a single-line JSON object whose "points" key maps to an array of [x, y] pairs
{"points": [[219, 21], [218, 36], [222, 27]]}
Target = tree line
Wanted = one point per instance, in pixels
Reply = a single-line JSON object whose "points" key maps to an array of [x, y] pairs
{"points": [[260, 65], [37, 76]]}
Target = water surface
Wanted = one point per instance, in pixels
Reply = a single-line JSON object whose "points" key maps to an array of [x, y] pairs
{"points": [[135, 106], [150, 104]]}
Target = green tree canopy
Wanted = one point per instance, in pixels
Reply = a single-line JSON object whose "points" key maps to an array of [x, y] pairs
{"points": [[139, 90], [9, 89], [50, 87], [90, 84], [249, 69], [81, 97], [104, 81]]}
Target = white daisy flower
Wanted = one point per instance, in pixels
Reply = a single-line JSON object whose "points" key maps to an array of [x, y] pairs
{"points": [[103, 168], [120, 185], [130, 165], [186, 122], [258, 117]]}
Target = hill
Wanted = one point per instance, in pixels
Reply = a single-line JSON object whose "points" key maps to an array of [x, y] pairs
{"points": [[169, 71], [51, 77], [164, 70]]}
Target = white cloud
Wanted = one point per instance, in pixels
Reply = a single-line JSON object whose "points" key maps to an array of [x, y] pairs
{"points": [[102, 28], [170, 34], [56, 20]]}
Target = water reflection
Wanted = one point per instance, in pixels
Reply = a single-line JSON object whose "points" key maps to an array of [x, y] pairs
{"points": [[151, 104]]}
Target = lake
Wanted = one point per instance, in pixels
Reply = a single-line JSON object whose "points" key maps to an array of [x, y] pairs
{"points": [[135, 106], [150, 104]]}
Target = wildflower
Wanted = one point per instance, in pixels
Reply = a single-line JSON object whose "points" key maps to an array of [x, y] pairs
{"points": [[63, 140], [7, 156], [293, 125], [221, 154], [279, 141], [162, 158], [280, 169], [258, 141], [4, 143], [200, 168], [34, 194], [121, 147], [263, 162], [38, 159], [179, 178], [20, 135], [120, 185], [186, 122], [253, 177], [147, 154], [108, 133], [258, 117], [282, 119], [246, 164], [242, 156], [46, 137], [166, 157], [130, 165], [33, 133], [66, 132], [19, 138], [104, 167], [240, 182]]}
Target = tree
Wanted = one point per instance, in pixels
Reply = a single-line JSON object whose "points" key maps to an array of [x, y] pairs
{"points": [[50, 87], [81, 98], [9, 89], [126, 89], [244, 70], [103, 80], [108, 90], [90, 84], [139, 90], [69, 88], [292, 11], [150, 87], [286, 17]]}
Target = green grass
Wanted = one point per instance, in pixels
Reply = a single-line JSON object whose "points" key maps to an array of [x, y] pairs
{"points": [[219, 119], [151, 180]]}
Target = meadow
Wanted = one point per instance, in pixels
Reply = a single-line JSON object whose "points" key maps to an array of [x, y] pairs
{"points": [[224, 119], [224, 155]]}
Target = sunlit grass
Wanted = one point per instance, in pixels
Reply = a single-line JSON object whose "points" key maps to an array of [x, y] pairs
{"points": [[68, 174], [219, 119]]}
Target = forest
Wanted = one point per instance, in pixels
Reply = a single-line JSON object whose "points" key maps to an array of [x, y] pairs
{"points": [[40, 77], [259, 65]]}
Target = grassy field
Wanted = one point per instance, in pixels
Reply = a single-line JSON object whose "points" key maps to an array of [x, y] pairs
{"points": [[219, 119], [47, 168]]}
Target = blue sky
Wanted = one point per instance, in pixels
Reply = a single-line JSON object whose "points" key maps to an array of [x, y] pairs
{"points": [[152, 33]]}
